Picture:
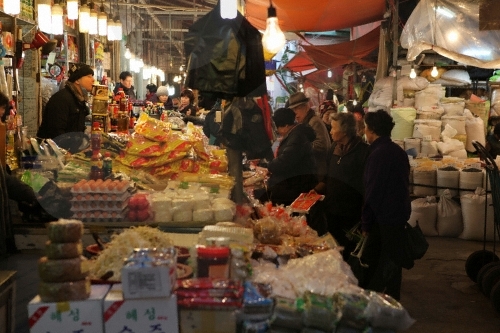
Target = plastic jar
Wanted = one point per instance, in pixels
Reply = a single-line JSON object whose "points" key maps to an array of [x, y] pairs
{"points": [[213, 261]]}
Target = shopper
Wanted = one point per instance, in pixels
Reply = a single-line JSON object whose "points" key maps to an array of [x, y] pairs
{"points": [[162, 96], [299, 103], [125, 83], [293, 170], [493, 141], [187, 107], [330, 102], [386, 207], [67, 109], [359, 115], [151, 91], [344, 182]]}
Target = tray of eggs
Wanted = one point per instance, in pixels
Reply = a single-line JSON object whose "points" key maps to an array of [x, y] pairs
{"points": [[100, 186]]}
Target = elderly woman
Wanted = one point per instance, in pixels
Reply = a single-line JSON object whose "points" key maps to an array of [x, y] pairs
{"points": [[343, 186], [293, 170]]}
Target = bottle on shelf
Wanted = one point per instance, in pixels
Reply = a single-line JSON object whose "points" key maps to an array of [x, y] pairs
{"points": [[107, 165], [95, 137]]}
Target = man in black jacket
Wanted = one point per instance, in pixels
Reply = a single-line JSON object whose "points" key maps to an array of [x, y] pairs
{"points": [[125, 83], [67, 109]]}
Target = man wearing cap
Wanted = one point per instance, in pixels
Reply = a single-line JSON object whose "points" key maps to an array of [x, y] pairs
{"points": [[299, 103], [66, 110]]}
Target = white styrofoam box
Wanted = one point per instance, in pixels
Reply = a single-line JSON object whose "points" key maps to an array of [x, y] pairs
{"points": [[144, 282], [75, 316], [139, 315]]}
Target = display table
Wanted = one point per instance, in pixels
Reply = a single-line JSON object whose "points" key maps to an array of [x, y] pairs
{"points": [[7, 303]]}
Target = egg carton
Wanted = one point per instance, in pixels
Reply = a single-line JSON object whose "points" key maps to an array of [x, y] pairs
{"points": [[108, 206], [100, 216], [90, 197], [100, 187]]}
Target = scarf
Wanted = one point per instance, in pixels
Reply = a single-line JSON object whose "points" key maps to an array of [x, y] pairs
{"points": [[77, 92]]}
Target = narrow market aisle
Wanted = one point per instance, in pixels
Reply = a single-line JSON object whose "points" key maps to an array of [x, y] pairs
{"points": [[436, 292], [440, 296]]}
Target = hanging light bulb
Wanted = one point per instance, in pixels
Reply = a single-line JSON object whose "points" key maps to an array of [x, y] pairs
{"points": [[57, 19], [44, 12], [162, 76], [354, 102], [434, 72], [93, 25], [12, 7], [72, 9], [329, 73], [413, 74], [111, 29], [118, 29], [140, 63], [127, 54], [171, 90], [146, 73], [273, 39], [102, 22], [83, 19], [228, 9]]}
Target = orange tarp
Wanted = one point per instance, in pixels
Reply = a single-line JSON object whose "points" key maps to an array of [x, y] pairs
{"points": [[316, 15], [331, 56], [299, 63]]}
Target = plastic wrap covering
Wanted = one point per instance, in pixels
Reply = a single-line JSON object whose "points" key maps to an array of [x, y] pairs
{"points": [[450, 28]]}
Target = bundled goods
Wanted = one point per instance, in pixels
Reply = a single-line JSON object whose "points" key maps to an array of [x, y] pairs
{"points": [[403, 120], [449, 219], [207, 293], [475, 130], [424, 176], [64, 271], [138, 208], [448, 177], [428, 147], [427, 127], [100, 200], [453, 106], [424, 213], [473, 212], [381, 96], [457, 122], [157, 266], [470, 179], [412, 144], [479, 109], [429, 96], [122, 245], [430, 112]]}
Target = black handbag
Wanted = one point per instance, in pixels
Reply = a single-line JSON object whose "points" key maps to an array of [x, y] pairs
{"points": [[416, 244]]}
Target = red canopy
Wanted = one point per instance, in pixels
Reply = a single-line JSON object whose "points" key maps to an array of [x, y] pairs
{"points": [[316, 15], [301, 62], [331, 56]]}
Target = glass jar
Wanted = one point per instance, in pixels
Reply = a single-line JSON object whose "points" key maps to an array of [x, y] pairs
{"points": [[213, 261]]}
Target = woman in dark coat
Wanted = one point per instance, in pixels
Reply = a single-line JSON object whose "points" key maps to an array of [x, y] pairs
{"points": [[67, 109], [293, 170], [344, 182]]}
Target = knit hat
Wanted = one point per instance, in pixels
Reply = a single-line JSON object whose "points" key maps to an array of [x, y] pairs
{"points": [[77, 71], [283, 117], [162, 91]]}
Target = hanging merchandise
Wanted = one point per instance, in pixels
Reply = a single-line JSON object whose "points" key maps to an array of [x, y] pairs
{"points": [[226, 57]]}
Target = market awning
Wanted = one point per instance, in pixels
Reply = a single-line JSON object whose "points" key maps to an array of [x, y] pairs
{"points": [[316, 15], [300, 62], [331, 56]]}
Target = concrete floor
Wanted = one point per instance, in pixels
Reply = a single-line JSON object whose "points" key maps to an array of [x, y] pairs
{"points": [[440, 296], [436, 292]]}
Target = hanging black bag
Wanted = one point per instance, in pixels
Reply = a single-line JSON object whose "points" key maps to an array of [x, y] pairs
{"points": [[416, 244], [358, 267]]}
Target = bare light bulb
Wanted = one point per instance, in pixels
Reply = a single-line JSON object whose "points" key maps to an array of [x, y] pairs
{"points": [[93, 25], [273, 39], [44, 12], [12, 7], [84, 19], [434, 72], [72, 9], [413, 74], [329, 73], [127, 54], [354, 102], [228, 9], [57, 19]]}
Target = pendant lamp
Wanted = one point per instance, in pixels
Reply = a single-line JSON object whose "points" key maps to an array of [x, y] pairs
{"points": [[228, 9], [273, 39], [57, 19], [93, 23], [72, 9], [413, 74], [102, 22], [84, 19], [12, 7], [44, 12]]}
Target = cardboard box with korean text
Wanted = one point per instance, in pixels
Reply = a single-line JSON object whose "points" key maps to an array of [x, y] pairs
{"points": [[139, 315], [75, 316], [207, 321]]}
